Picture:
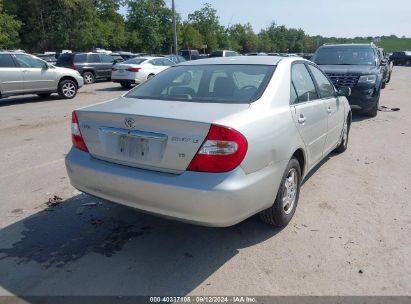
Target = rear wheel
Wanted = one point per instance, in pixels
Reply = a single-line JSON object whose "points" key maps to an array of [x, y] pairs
{"points": [[67, 89], [44, 95], [88, 77], [283, 209], [343, 143], [125, 84]]}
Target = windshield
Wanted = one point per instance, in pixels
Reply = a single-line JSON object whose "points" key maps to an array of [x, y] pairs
{"points": [[134, 61], [207, 83], [344, 56]]}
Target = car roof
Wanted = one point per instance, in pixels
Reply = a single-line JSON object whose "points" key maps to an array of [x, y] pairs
{"points": [[263, 60], [350, 45]]}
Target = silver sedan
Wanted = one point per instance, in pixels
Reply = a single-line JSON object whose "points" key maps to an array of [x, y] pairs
{"points": [[212, 141]]}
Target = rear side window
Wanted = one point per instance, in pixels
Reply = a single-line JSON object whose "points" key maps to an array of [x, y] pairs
{"points": [[80, 58], [207, 83], [6, 61], [95, 58], [326, 89], [303, 83]]}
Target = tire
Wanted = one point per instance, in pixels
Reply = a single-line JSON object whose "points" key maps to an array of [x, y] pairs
{"points": [[150, 76], [67, 89], [89, 77], [383, 85], [282, 211], [125, 84], [44, 95], [374, 110], [389, 78], [343, 143], [408, 63]]}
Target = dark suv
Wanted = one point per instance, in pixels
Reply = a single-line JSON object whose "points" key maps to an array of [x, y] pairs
{"points": [[357, 66], [91, 66]]}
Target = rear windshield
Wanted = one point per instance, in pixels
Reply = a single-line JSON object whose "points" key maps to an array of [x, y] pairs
{"points": [[207, 83], [65, 59], [344, 56], [135, 61]]}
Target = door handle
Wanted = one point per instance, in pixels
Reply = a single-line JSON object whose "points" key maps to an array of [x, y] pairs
{"points": [[329, 110], [301, 119]]}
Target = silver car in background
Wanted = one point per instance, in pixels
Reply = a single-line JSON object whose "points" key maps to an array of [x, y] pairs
{"points": [[26, 74], [212, 141]]}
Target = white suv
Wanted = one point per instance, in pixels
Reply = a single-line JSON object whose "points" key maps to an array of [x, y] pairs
{"points": [[26, 74]]}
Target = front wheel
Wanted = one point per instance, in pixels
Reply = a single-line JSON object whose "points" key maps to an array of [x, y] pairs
{"points": [[343, 143], [67, 89], [283, 209], [374, 110], [125, 84]]}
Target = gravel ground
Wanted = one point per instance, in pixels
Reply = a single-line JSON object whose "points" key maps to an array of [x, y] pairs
{"points": [[350, 234]]}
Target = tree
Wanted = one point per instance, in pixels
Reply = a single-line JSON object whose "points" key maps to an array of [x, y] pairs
{"points": [[150, 21], [190, 37], [9, 30], [207, 23]]}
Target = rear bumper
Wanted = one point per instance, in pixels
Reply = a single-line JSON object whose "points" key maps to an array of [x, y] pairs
{"points": [[363, 98], [118, 80], [202, 198]]}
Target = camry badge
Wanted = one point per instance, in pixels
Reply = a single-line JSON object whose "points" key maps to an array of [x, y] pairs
{"points": [[129, 122]]}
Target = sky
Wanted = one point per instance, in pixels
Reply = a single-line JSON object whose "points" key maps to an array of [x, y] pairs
{"points": [[329, 18]]}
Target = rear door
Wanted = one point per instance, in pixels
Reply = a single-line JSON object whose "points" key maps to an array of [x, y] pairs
{"points": [[11, 75], [93, 60], [37, 76], [335, 108], [106, 64], [309, 112]]}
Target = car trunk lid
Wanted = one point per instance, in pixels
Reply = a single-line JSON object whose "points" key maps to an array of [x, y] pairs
{"points": [[150, 134]]}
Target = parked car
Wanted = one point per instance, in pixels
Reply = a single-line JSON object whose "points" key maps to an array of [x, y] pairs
{"points": [[401, 58], [138, 70], [223, 53], [125, 55], [175, 58], [49, 58], [386, 65], [212, 141], [356, 66], [26, 74], [189, 54], [257, 54], [91, 66]]}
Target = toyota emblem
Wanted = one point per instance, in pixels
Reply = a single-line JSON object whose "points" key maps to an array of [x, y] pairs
{"points": [[129, 122]]}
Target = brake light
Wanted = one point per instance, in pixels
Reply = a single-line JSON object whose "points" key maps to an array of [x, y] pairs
{"points": [[76, 136], [134, 69], [222, 151], [73, 66]]}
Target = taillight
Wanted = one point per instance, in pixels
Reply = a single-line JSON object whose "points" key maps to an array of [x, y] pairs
{"points": [[73, 66], [222, 151], [76, 136], [134, 69]]}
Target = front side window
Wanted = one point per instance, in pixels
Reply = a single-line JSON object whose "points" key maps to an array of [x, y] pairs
{"points": [[345, 56], [325, 87], [26, 61], [6, 61], [207, 83], [106, 59], [303, 83]]}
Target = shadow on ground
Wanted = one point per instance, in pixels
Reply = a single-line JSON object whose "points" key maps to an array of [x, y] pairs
{"points": [[108, 249], [115, 88], [10, 101]]}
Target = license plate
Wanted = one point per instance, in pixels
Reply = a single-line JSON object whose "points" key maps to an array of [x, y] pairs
{"points": [[133, 147]]}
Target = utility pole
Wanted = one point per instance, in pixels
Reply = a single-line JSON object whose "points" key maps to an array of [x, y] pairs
{"points": [[174, 28]]}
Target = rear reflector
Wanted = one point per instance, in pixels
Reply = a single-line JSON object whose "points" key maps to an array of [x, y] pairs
{"points": [[73, 67], [134, 69], [76, 136], [222, 151]]}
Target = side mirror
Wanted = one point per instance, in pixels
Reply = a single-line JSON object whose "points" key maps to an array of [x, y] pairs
{"points": [[344, 91], [384, 61], [45, 66]]}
